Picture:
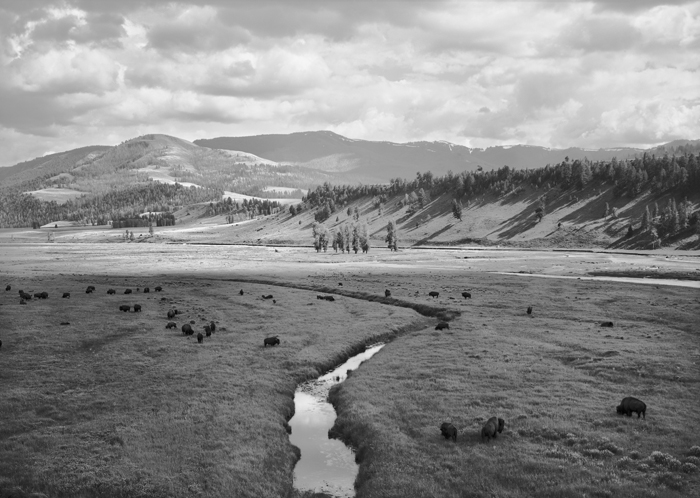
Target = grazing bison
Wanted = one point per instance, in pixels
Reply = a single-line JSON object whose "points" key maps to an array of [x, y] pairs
{"points": [[271, 341], [490, 429], [90, 289], [269, 296], [212, 326], [448, 431], [171, 313], [192, 322], [320, 297], [9, 287], [606, 324], [434, 294], [37, 295], [241, 293], [529, 310], [171, 325], [387, 293], [124, 307], [200, 338], [442, 325], [146, 290], [66, 295], [137, 308], [25, 295], [127, 291], [187, 329], [207, 331], [329, 298], [629, 405], [159, 288], [44, 295], [501, 425], [111, 291], [466, 295]]}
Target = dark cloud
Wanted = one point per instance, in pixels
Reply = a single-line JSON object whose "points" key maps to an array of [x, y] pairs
{"points": [[635, 5]]}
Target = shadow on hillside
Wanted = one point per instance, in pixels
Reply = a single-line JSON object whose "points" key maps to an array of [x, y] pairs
{"points": [[522, 222], [425, 240], [529, 198]]}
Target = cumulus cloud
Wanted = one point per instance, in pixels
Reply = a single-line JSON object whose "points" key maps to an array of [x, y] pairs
{"points": [[588, 73]]}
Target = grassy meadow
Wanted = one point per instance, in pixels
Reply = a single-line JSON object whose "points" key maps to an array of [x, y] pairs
{"points": [[113, 404]]}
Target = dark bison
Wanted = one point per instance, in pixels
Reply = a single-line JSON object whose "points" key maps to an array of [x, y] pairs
{"points": [[90, 289], [146, 289], [629, 405], [127, 291], [434, 294], [492, 427], [212, 326], [0, 344], [448, 431], [200, 338], [320, 297], [9, 287], [171, 325], [111, 291], [329, 298], [269, 296], [66, 295], [37, 295], [466, 295], [25, 295], [171, 313], [340, 284], [271, 341], [187, 329], [529, 310], [124, 307], [606, 324], [137, 308], [44, 295], [241, 293], [159, 288], [387, 293], [207, 330], [442, 325]]}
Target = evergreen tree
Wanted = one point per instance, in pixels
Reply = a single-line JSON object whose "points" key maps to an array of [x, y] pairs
{"points": [[457, 209], [391, 236], [356, 214], [355, 238], [347, 236], [364, 238], [340, 239], [646, 221], [150, 228]]}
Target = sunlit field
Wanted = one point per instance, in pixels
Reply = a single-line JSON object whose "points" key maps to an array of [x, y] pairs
{"points": [[98, 402]]}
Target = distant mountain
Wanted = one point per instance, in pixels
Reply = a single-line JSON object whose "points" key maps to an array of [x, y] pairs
{"points": [[328, 151], [47, 165]]}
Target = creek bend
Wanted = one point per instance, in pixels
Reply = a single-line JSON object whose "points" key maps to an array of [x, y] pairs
{"points": [[326, 465]]}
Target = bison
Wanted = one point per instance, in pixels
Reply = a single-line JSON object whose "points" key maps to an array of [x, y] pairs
{"points": [[200, 338], [159, 288], [434, 294], [442, 325], [490, 429], [466, 295], [111, 291], [629, 405], [269, 296], [137, 308], [212, 326], [187, 329], [37, 295], [271, 341], [207, 331], [66, 295], [146, 290], [529, 310], [171, 325], [127, 291], [171, 313], [387, 293], [9, 287], [124, 307], [448, 431], [25, 295], [44, 295], [606, 324], [329, 298], [320, 297], [90, 289], [241, 293]]}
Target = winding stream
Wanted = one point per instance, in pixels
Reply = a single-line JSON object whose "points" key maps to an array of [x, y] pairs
{"points": [[326, 465]]}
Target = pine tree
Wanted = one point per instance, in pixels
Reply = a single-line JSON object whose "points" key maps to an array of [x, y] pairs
{"points": [[355, 238], [364, 238], [356, 214], [391, 236], [340, 239], [347, 236], [457, 209], [150, 227], [646, 222]]}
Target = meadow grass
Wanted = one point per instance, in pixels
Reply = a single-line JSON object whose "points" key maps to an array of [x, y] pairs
{"points": [[555, 377], [114, 404]]}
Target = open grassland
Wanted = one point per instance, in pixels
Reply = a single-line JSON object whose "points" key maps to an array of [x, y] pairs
{"points": [[555, 377], [113, 404]]}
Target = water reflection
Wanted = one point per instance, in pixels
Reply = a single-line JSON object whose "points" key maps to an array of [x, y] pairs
{"points": [[326, 465]]}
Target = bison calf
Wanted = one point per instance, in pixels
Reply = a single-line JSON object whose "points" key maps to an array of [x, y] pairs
{"points": [[137, 308], [171, 325], [127, 291], [630, 405], [466, 295], [434, 294], [159, 288], [271, 341], [442, 325], [448, 431], [66, 295]]}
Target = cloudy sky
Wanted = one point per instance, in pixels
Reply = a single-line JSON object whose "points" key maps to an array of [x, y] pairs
{"points": [[590, 74]]}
